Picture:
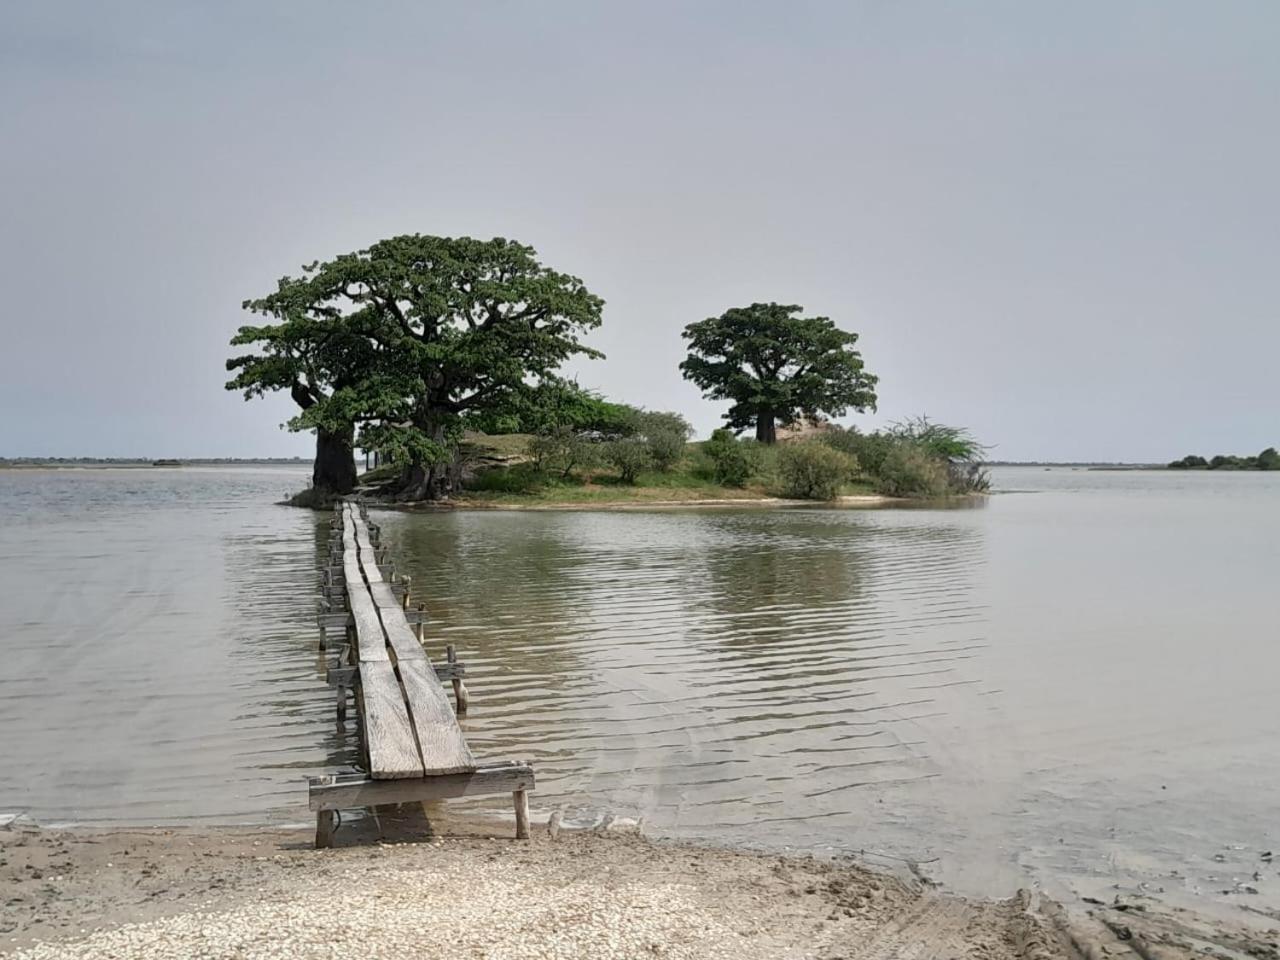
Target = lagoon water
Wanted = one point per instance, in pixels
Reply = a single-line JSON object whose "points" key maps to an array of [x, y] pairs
{"points": [[1076, 682]]}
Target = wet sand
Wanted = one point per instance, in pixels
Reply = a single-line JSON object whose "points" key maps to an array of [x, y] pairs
{"points": [[474, 893], [246, 893]]}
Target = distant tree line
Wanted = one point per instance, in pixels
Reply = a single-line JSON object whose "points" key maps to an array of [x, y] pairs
{"points": [[1268, 459]]}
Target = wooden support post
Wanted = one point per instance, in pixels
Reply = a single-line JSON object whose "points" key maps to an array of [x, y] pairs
{"points": [[460, 698], [522, 814], [322, 607], [342, 704], [417, 627], [406, 580], [326, 820]]}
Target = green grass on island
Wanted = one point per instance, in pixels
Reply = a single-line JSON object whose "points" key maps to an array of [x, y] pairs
{"points": [[501, 473]]}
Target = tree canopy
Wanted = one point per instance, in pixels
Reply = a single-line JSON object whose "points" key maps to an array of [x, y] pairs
{"points": [[451, 328], [776, 366]]}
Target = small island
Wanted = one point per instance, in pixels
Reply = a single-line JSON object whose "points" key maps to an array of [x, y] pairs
{"points": [[440, 356]]}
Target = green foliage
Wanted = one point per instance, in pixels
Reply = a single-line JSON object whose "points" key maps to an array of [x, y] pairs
{"points": [[948, 443], [454, 329], [563, 449], [1268, 459], [912, 470], [813, 471], [734, 462], [968, 477], [773, 365], [520, 479], [869, 449], [556, 402], [665, 434], [630, 456], [916, 458]]}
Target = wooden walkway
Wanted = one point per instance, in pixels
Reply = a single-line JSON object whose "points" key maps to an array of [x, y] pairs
{"points": [[411, 744]]}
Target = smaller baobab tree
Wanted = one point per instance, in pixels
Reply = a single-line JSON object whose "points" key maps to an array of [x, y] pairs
{"points": [[776, 367]]}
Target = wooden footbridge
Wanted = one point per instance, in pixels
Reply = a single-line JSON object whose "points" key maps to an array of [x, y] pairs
{"points": [[412, 747]]}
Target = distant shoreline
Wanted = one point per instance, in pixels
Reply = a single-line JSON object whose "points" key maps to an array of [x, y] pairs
{"points": [[90, 463], [1081, 464]]}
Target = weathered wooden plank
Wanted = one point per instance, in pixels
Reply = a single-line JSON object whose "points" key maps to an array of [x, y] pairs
{"points": [[441, 744], [367, 558], [339, 792], [388, 731], [400, 635], [371, 642]]}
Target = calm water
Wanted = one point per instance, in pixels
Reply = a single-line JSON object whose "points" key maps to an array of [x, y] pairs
{"points": [[1078, 681]]}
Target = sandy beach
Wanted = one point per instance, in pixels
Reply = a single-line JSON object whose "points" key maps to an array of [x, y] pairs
{"points": [[256, 893]]}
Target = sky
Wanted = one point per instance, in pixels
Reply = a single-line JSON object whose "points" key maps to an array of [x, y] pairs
{"points": [[1056, 224]]}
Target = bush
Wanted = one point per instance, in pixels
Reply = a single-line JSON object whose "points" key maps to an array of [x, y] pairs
{"points": [[869, 449], [733, 461], [629, 456], [911, 470], [523, 478], [916, 458], [968, 477], [666, 435], [814, 470], [561, 449]]}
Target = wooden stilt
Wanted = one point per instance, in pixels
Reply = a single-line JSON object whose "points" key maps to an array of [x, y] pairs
{"points": [[460, 698], [326, 821], [322, 608], [406, 580], [522, 814], [417, 627]]}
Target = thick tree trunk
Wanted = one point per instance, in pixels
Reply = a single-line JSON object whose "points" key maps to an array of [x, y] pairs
{"points": [[767, 428], [335, 466], [430, 481]]}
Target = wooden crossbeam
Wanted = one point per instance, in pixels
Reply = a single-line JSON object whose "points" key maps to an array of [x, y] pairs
{"points": [[345, 791], [347, 676]]}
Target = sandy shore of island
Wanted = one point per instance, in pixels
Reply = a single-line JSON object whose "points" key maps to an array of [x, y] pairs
{"points": [[472, 893]]}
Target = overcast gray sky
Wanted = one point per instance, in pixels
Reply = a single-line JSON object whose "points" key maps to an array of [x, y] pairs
{"points": [[1055, 223]]}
